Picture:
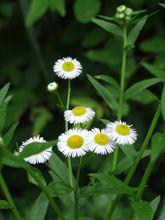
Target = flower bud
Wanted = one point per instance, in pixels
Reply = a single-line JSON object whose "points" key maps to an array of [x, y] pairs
{"points": [[121, 8], [121, 16], [129, 12], [52, 86]]}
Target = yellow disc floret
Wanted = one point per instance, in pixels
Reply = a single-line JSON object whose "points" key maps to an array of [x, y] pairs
{"points": [[75, 141], [68, 66], [78, 111], [101, 139], [122, 129]]}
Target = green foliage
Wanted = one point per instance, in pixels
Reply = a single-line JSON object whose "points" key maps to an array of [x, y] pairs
{"points": [[85, 10], [58, 5], [140, 86], [163, 102], [108, 26], [9, 134], [4, 204], [36, 148], [157, 145]]}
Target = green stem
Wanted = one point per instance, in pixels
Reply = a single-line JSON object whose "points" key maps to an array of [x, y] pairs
{"points": [[144, 145], [9, 198], [76, 192], [138, 157], [144, 179], [59, 99], [122, 84], [48, 195]]}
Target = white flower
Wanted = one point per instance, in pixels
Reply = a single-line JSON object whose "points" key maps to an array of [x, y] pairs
{"points": [[122, 133], [38, 158], [79, 114], [67, 68], [99, 141], [52, 86], [73, 143]]}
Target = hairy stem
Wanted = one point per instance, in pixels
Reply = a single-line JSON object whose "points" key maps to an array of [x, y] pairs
{"points": [[122, 84], [9, 198]]}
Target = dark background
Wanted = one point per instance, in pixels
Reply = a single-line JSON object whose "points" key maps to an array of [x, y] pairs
{"points": [[27, 55]]}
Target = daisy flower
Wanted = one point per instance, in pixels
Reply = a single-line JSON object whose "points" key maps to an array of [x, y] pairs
{"points": [[79, 114], [67, 68], [122, 133], [99, 141], [38, 158], [73, 143]]}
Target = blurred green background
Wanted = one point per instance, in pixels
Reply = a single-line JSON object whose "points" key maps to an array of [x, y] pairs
{"points": [[33, 35]]}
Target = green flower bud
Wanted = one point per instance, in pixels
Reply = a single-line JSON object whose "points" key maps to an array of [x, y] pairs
{"points": [[52, 86], [127, 18], [121, 8], [129, 12], [121, 16]]}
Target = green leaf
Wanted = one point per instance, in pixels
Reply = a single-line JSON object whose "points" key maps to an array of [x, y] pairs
{"points": [[143, 210], [109, 80], [86, 10], [59, 170], [114, 183], [39, 209], [58, 5], [163, 103], [134, 33], [3, 111], [9, 159], [154, 204], [8, 136], [157, 145], [108, 26], [4, 204], [36, 148], [3, 93], [38, 173], [37, 9], [155, 71], [140, 86], [104, 93], [161, 4]]}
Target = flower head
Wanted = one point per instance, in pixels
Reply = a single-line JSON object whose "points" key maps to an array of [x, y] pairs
{"points": [[99, 141], [67, 68], [52, 86], [73, 143], [121, 8], [122, 133], [79, 114], [38, 158]]}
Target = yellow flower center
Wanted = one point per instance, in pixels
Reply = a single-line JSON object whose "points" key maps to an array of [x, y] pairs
{"points": [[101, 139], [122, 129], [78, 111], [75, 141], [68, 66]]}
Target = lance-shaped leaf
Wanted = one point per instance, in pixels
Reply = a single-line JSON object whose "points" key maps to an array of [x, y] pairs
{"points": [[104, 93], [38, 173], [155, 71], [36, 148], [134, 33], [8, 136], [140, 86], [109, 80], [108, 26], [3, 93], [161, 4]]}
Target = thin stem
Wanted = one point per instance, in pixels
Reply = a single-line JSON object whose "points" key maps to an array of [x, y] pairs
{"points": [[144, 145], [59, 99], [138, 157], [9, 198], [144, 179], [48, 195], [122, 84], [76, 193]]}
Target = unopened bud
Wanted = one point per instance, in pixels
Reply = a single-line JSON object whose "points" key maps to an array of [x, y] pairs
{"points": [[52, 86], [121, 8], [129, 12]]}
